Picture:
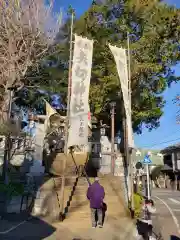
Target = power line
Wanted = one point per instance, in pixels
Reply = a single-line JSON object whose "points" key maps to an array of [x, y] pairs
{"points": [[162, 142], [166, 136], [170, 135]]}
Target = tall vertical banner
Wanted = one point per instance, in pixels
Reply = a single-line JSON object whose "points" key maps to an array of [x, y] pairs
{"points": [[79, 106], [121, 64], [89, 118]]}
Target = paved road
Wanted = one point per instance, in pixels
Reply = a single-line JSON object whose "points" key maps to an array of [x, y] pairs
{"points": [[21, 229], [168, 212]]}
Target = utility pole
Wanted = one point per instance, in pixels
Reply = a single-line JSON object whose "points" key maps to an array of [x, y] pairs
{"points": [[113, 104], [61, 215]]}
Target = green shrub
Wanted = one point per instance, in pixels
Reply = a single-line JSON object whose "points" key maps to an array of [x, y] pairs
{"points": [[138, 200], [12, 189]]}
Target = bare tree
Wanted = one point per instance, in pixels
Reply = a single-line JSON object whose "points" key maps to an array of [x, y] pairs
{"points": [[27, 30]]}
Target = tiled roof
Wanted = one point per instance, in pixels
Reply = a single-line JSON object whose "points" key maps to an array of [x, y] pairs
{"points": [[171, 148]]}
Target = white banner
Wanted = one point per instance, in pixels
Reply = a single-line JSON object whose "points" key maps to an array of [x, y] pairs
{"points": [[121, 64], [79, 106]]}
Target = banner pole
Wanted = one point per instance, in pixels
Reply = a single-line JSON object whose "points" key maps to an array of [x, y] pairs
{"points": [[69, 83], [112, 138], [130, 154], [61, 215]]}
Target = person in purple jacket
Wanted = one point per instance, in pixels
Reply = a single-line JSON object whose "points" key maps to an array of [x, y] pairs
{"points": [[96, 194]]}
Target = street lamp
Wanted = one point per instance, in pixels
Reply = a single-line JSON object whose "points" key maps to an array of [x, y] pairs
{"points": [[112, 105]]}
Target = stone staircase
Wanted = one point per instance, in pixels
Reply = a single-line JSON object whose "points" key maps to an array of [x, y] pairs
{"points": [[79, 208], [77, 224]]}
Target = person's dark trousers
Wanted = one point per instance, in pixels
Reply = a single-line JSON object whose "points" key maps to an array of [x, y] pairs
{"points": [[150, 230], [143, 229], [99, 213]]}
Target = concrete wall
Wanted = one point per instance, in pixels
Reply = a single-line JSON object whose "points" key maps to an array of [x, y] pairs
{"points": [[37, 168]]}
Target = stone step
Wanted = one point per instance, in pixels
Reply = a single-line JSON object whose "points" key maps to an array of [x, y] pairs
{"points": [[66, 192], [114, 212], [82, 201], [86, 222], [50, 183], [79, 209], [84, 214], [75, 204], [79, 218], [79, 206], [112, 201], [107, 193], [86, 208], [84, 219], [80, 193], [83, 189], [82, 179], [79, 221], [79, 196], [112, 189]]}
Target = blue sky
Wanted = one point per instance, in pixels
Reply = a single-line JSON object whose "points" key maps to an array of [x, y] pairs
{"points": [[83, 5], [174, 2], [168, 130]]}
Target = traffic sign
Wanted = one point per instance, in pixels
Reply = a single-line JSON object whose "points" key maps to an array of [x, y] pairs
{"points": [[147, 160]]}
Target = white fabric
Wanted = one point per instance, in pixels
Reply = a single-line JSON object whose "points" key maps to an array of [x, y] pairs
{"points": [[121, 64], [49, 112], [79, 106]]}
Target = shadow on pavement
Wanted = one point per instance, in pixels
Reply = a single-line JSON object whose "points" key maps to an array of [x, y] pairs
{"points": [[174, 237], [22, 229]]}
